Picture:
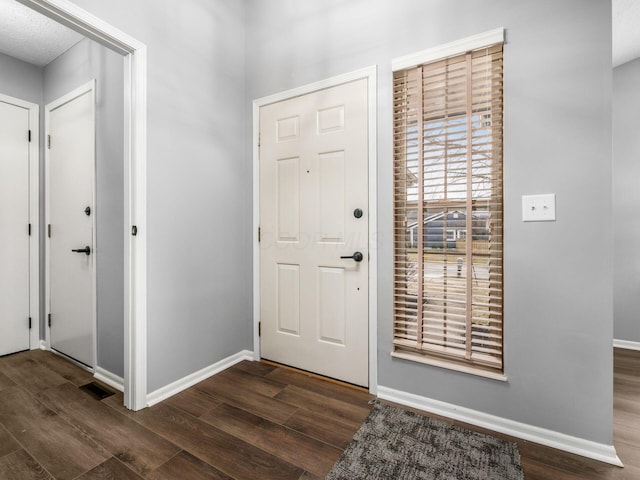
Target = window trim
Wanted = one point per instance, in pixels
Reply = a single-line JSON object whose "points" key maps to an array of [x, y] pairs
{"points": [[416, 60], [447, 364], [456, 47]]}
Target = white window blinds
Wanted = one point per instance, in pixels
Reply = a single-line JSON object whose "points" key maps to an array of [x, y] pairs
{"points": [[448, 286]]}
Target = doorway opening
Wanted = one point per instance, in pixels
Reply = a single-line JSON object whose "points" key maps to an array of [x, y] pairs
{"points": [[135, 84]]}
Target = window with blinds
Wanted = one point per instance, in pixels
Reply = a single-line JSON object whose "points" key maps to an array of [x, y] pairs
{"points": [[448, 285]]}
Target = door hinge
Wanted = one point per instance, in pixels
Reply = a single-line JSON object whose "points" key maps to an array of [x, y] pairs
{"points": [[29, 135], [49, 319], [29, 323], [259, 139], [49, 142], [29, 229], [134, 230], [49, 230], [259, 329], [258, 234]]}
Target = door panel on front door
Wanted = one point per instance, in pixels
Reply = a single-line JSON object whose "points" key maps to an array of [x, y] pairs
{"points": [[71, 181], [313, 176], [14, 220]]}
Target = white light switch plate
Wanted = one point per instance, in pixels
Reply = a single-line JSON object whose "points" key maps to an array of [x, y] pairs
{"points": [[539, 208]]}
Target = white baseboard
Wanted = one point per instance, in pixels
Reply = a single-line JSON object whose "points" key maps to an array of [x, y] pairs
{"points": [[579, 446], [182, 384], [108, 378], [626, 344]]}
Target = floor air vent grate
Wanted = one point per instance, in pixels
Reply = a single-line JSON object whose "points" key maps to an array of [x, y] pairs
{"points": [[96, 390]]}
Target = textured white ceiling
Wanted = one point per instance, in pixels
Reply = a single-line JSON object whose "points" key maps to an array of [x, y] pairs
{"points": [[32, 37], [626, 31]]}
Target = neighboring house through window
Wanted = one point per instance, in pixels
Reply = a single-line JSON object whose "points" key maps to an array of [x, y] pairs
{"points": [[448, 287]]}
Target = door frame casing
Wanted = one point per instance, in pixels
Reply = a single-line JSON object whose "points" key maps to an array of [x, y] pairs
{"points": [[34, 215], [89, 87], [135, 188], [370, 74]]}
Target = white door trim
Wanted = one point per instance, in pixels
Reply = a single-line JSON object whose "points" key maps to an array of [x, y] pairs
{"points": [[135, 159], [370, 73], [89, 87], [34, 215]]}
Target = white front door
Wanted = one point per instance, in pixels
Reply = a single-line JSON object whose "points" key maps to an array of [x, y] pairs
{"points": [[71, 167], [313, 211], [14, 228]]}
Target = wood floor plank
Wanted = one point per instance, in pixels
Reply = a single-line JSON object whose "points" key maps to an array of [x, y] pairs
{"points": [[29, 374], [112, 469], [629, 472], [326, 429], [623, 417], [116, 402], [225, 389], [626, 388], [626, 352], [193, 402], [185, 465], [254, 383], [626, 359], [255, 368], [136, 446], [629, 454], [564, 461], [310, 476], [5, 382], [322, 387], [627, 404], [22, 466], [625, 377], [61, 449], [225, 452], [7, 443], [294, 447], [628, 434], [322, 404], [62, 367], [535, 470]]}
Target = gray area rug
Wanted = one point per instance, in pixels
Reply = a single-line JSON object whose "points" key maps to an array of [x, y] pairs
{"points": [[398, 444]]}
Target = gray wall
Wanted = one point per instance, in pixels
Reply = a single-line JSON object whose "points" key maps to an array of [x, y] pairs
{"points": [[558, 291], [199, 183], [626, 201], [21, 80], [558, 307], [85, 61]]}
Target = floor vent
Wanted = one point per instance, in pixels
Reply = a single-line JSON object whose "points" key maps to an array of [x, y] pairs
{"points": [[96, 390]]}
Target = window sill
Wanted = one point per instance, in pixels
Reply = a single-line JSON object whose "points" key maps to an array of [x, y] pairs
{"points": [[451, 366]]}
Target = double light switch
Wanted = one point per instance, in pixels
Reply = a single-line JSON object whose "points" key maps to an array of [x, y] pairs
{"points": [[539, 208]]}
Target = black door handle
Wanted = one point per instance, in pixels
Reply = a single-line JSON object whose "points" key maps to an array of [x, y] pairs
{"points": [[86, 250], [357, 256]]}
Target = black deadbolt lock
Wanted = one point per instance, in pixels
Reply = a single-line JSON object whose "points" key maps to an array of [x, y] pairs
{"points": [[87, 211], [357, 213]]}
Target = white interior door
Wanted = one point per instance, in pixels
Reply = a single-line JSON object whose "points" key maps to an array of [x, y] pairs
{"points": [[313, 211], [14, 228], [71, 173]]}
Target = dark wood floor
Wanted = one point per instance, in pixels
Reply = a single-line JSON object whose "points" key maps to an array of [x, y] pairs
{"points": [[253, 421]]}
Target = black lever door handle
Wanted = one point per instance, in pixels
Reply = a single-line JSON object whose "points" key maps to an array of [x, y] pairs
{"points": [[86, 250], [357, 256]]}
